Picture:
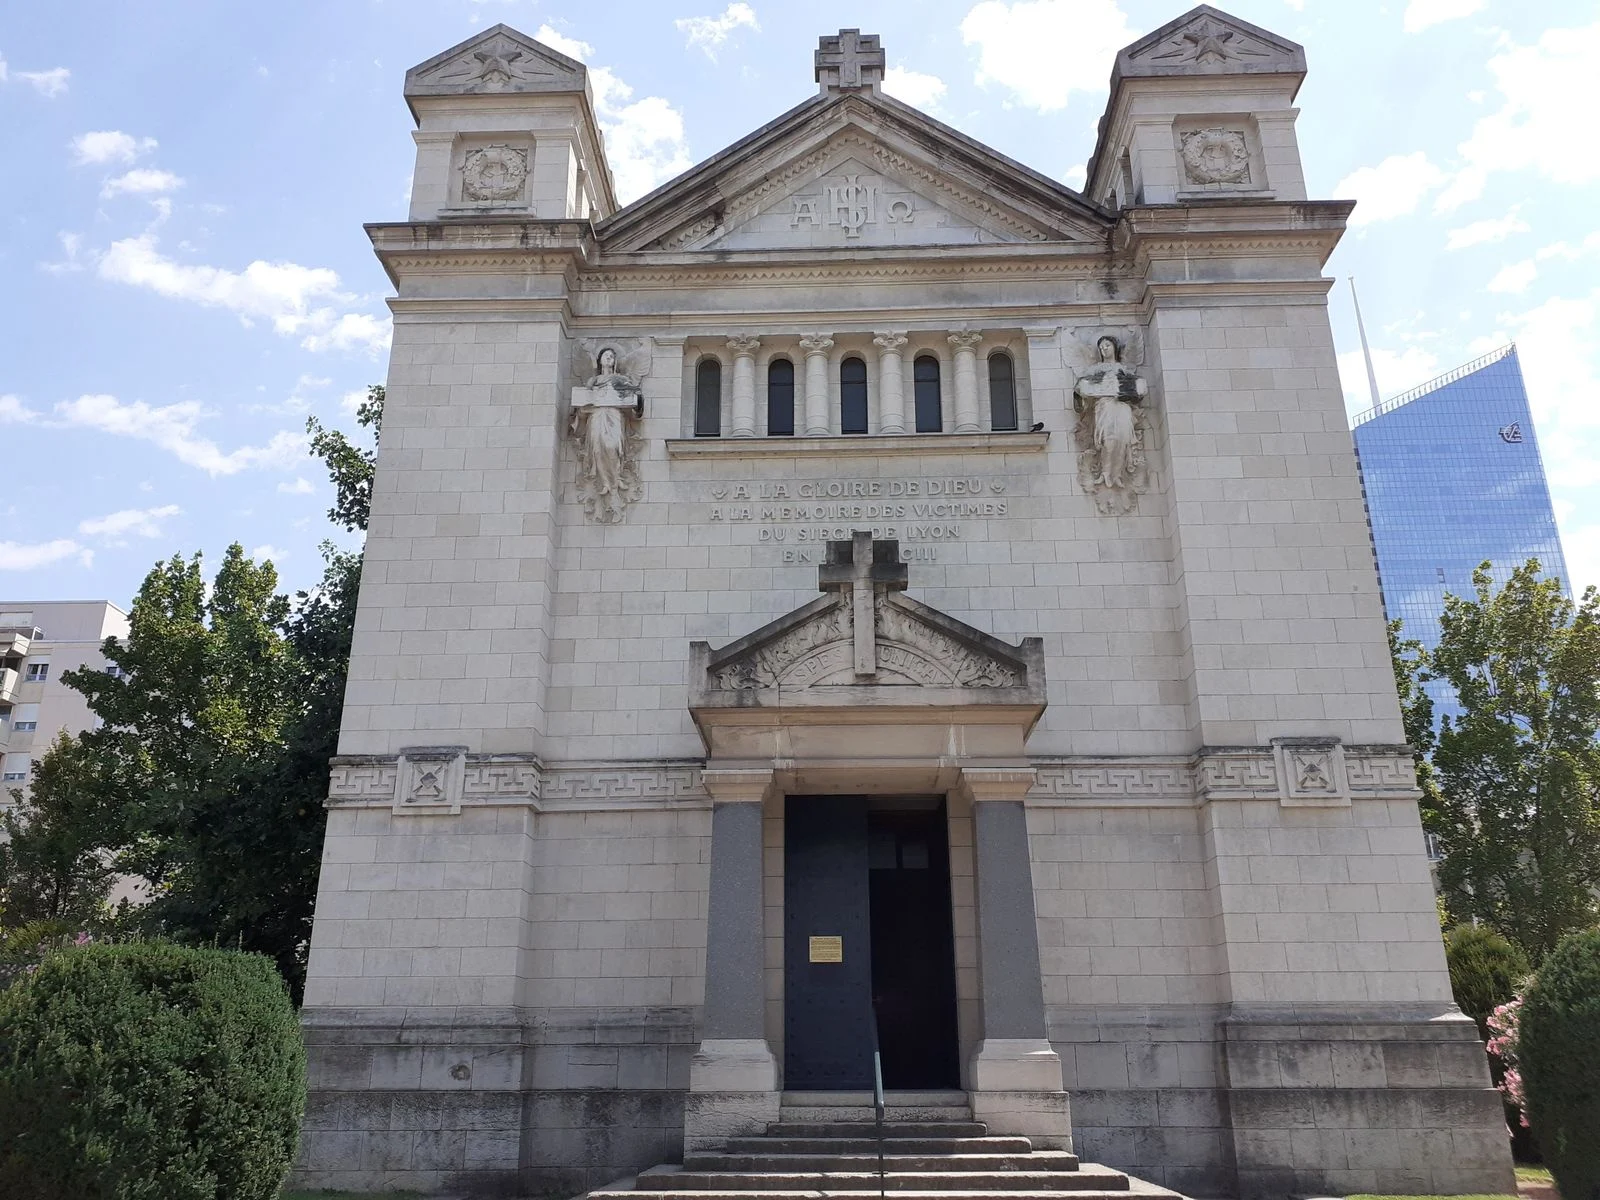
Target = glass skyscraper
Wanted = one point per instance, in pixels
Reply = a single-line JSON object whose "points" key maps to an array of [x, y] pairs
{"points": [[1453, 477]]}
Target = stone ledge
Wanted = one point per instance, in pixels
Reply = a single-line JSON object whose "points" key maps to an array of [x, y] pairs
{"points": [[871, 445]]}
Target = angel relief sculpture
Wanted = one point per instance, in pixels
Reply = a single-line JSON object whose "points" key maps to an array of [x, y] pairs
{"points": [[605, 413], [1111, 462]]}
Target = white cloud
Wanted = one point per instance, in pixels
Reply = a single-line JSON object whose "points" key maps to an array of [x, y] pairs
{"points": [[1478, 233], [710, 32], [645, 143], [49, 84], [1424, 14], [269, 553], [14, 412], [1076, 176], [71, 244], [1396, 372], [21, 556], [141, 181], [109, 145], [914, 87], [352, 401], [175, 429], [3, 68], [1514, 277], [1567, 251], [1540, 86], [1393, 188], [140, 522], [298, 301], [1044, 50], [300, 487]]}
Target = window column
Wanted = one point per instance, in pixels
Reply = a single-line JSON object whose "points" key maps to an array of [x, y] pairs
{"points": [[816, 346], [965, 344], [744, 349], [891, 383]]}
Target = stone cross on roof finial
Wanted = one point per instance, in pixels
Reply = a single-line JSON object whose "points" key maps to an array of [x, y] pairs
{"points": [[849, 60], [861, 567]]}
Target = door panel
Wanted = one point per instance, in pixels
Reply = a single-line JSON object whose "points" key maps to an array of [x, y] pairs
{"points": [[827, 1005], [913, 951]]}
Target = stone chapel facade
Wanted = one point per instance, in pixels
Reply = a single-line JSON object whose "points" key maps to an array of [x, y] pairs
{"points": [[866, 594]]}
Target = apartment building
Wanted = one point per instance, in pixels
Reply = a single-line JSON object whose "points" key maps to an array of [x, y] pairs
{"points": [[39, 642]]}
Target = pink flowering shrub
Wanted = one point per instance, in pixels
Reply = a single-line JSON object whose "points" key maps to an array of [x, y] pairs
{"points": [[1503, 1045]]}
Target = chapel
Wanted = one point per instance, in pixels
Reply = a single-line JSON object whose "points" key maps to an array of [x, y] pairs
{"points": [[868, 612]]}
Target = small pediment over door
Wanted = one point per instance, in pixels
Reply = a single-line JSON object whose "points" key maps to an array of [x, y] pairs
{"points": [[867, 647]]}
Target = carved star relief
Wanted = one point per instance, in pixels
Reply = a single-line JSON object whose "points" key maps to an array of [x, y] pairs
{"points": [[496, 67], [1209, 42]]}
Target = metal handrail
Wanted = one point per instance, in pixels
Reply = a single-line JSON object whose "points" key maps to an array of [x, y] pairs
{"points": [[877, 1105]]}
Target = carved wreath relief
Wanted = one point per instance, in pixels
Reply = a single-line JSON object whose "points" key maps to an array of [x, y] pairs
{"points": [[1215, 156], [604, 428], [494, 174], [1111, 432]]}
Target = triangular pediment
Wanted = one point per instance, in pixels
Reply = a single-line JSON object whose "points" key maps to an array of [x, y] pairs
{"points": [[1208, 41], [852, 171], [858, 192], [500, 59], [919, 656]]}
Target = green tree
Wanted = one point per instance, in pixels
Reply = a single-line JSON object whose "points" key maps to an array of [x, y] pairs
{"points": [[1518, 809], [350, 467], [53, 877], [1485, 971]]}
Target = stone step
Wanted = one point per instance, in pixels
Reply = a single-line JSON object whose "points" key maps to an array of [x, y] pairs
{"points": [[769, 1162], [684, 1179], [613, 1192], [862, 1128], [863, 1142], [864, 1111]]}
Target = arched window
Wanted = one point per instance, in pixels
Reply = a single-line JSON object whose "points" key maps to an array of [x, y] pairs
{"points": [[1002, 392], [925, 388], [780, 398], [852, 396], [708, 398]]}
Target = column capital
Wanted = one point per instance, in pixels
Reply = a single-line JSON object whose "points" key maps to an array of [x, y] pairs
{"points": [[997, 783], [965, 339], [744, 344], [737, 785], [890, 341], [816, 343]]}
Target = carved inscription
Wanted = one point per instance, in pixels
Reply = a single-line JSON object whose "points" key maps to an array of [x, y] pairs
{"points": [[850, 203], [801, 516]]}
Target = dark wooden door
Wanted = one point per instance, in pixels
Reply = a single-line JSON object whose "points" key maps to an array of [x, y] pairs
{"points": [[827, 1010]]}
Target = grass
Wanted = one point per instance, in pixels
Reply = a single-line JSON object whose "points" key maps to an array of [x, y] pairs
{"points": [[1365, 1196], [1534, 1175], [348, 1196]]}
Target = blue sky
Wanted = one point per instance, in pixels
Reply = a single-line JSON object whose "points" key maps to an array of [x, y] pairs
{"points": [[185, 277]]}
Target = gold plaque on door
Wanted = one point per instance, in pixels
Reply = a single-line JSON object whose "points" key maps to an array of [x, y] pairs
{"points": [[827, 949]]}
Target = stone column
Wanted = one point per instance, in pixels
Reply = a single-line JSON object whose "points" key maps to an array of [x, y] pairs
{"points": [[891, 383], [744, 349], [1015, 1075], [816, 346], [966, 372], [733, 1077]]}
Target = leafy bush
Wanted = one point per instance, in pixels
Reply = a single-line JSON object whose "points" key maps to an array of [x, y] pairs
{"points": [[1485, 971], [1558, 1047], [148, 1072]]}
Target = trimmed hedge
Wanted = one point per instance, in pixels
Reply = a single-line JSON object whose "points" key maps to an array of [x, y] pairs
{"points": [[1558, 1048], [1485, 971], [149, 1072]]}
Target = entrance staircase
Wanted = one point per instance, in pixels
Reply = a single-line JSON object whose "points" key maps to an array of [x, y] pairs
{"points": [[825, 1144]]}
